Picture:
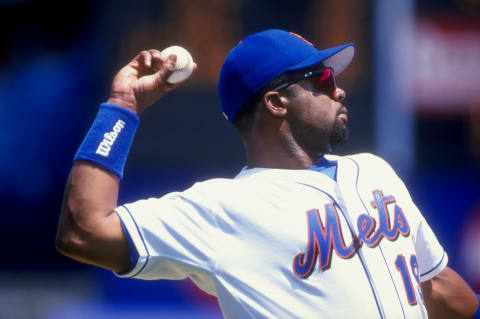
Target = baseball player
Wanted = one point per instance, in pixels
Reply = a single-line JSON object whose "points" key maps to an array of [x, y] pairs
{"points": [[297, 233]]}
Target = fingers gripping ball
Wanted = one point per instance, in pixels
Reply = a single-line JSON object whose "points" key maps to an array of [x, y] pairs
{"points": [[183, 66]]}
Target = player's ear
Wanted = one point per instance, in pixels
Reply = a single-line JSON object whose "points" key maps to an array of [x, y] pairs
{"points": [[275, 103]]}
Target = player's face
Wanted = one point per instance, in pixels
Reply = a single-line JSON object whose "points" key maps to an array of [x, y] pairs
{"points": [[317, 118]]}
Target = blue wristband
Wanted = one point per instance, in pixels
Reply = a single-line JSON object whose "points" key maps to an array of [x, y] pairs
{"points": [[477, 314], [109, 139]]}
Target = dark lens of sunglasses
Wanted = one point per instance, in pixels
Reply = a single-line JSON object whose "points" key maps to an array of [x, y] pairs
{"points": [[326, 81]]}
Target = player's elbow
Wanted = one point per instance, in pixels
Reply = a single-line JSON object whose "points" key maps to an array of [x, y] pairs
{"points": [[68, 242], [65, 244], [73, 235], [77, 245]]}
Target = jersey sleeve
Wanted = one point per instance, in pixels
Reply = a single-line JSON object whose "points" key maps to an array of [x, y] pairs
{"points": [[173, 236], [431, 256]]}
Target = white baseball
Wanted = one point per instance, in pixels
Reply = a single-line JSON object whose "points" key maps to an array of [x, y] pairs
{"points": [[183, 66]]}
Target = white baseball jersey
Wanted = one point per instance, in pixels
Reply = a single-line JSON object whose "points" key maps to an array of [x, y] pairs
{"points": [[277, 243]]}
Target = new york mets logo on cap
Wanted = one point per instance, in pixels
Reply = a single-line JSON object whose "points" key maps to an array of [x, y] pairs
{"points": [[261, 57]]}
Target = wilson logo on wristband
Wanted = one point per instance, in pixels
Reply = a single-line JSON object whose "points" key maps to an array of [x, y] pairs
{"points": [[109, 138]]}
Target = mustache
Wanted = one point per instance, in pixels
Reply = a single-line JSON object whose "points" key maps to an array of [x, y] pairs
{"points": [[342, 110]]}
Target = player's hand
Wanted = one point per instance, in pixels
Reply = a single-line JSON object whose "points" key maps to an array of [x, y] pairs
{"points": [[143, 81]]}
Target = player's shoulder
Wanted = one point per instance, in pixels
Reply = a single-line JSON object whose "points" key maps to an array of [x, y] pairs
{"points": [[217, 193], [248, 180], [213, 183], [215, 186], [368, 163], [364, 159]]}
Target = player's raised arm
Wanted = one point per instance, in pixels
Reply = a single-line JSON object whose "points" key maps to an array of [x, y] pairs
{"points": [[89, 230]]}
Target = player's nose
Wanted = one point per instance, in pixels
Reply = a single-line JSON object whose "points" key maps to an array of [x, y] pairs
{"points": [[339, 94]]}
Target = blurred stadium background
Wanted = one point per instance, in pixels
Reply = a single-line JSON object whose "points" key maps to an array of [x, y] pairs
{"points": [[413, 93]]}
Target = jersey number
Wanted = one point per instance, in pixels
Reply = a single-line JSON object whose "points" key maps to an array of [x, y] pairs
{"points": [[402, 267]]}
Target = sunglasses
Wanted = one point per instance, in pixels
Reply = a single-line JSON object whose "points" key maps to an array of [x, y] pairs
{"points": [[324, 80]]}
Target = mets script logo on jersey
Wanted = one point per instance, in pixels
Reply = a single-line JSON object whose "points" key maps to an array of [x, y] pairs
{"points": [[324, 238]]}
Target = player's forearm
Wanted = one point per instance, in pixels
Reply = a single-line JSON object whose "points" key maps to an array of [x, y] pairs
{"points": [[447, 295], [89, 230]]}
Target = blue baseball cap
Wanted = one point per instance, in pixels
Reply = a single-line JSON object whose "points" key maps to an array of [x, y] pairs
{"points": [[263, 56]]}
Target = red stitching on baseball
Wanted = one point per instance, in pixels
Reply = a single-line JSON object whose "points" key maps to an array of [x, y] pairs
{"points": [[187, 65]]}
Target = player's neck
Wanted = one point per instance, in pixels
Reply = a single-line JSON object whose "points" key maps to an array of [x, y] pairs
{"points": [[277, 151]]}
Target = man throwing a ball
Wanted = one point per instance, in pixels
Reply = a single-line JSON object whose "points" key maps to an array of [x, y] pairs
{"points": [[298, 233]]}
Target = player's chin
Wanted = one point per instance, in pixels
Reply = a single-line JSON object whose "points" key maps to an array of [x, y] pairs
{"points": [[340, 134]]}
